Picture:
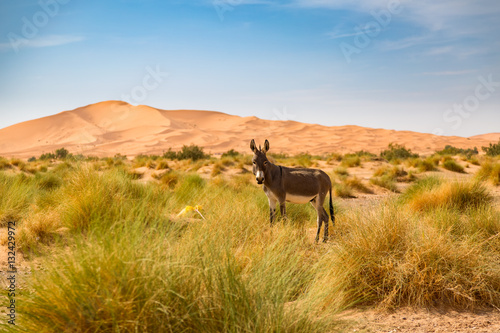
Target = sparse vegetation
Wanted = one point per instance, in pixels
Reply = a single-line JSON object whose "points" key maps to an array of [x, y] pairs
{"points": [[117, 257], [450, 150], [350, 161], [397, 152], [192, 152], [452, 165], [493, 149], [490, 171]]}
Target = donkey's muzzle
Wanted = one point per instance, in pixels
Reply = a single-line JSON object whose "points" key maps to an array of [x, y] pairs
{"points": [[259, 176]]}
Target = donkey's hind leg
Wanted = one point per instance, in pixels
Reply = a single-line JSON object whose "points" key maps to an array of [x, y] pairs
{"points": [[314, 202], [325, 219]]}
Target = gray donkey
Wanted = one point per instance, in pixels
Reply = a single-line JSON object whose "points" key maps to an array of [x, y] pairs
{"points": [[296, 185]]}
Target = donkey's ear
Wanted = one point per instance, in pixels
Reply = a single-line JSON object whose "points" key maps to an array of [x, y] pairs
{"points": [[252, 145], [266, 146]]}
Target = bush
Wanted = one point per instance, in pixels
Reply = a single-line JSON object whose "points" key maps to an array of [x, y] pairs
{"points": [[451, 165], [341, 171], [450, 150], [351, 160], [342, 190], [431, 193], [386, 182], [48, 181], [4, 164], [192, 152], [493, 149], [489, 171], [392, 258], [61, 153], [231, 153], [396, 151], [358, 185], [47, 156]]}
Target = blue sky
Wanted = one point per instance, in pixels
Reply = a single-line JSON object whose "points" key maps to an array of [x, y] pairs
{"points": [[426, 66]]}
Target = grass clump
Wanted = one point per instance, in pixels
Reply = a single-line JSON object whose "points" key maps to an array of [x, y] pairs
{"points": [[358, 185], [397, 152], [342, 190], [191, 152], [492, 149], [350, 161], [432, 193], [386, 182], [341, 171], [489, 171], [390, 257], [4, 164], [452, 165], [450, 150]]}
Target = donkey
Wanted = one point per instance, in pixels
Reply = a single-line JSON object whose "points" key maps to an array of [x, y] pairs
{"points": [[296, 185]]}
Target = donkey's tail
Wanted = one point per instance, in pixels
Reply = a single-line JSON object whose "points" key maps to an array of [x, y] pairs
{"points": [[331, 207]]}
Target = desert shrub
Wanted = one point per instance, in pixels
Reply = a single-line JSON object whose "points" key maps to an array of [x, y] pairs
{"points": [[342, 190], [333, 157], [151, 164], [423, 165], [169, 179], [390, 257], [493, 149], [192, 152], [434, 194], [278, 156], [17, 162], [17, 193], [162, 164], [351, 160], [231, 153], [452, 165], [450, 150], [397, 152], [226, 161], [303, 160], [48, 181], [474, 161], [357, 184], [427, 165], [489, 171], [133, 174], [4, 164], [32, 159], [217, 169], [386, 182], [47, 156], [341, 171], [61, 153]]}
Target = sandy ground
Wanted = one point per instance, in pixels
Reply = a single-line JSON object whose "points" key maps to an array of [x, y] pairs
{"points": [[111, 127], [420, 321]]}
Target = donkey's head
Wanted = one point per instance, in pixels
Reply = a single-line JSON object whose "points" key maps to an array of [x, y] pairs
{"points": [[260, 161]]}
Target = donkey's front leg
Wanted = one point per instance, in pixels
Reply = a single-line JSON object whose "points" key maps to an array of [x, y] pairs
{"points": [[283, 210], [272, 210]]}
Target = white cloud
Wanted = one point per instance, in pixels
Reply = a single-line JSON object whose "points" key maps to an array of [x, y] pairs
{"points": [[43, 41], [447, 73]]}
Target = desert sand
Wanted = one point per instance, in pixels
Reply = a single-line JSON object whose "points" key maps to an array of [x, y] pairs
{"points": [[111, 127]]}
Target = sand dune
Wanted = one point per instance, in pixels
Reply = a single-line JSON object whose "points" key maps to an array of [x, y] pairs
{"points": [[111, 127]]}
